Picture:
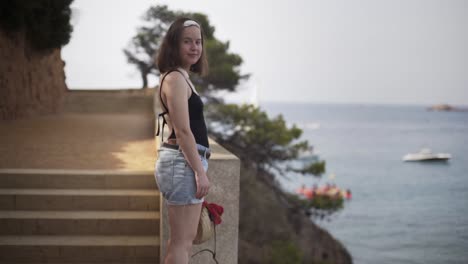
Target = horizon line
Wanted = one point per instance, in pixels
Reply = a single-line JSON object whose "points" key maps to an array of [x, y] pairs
{"points": [[302, 101]]}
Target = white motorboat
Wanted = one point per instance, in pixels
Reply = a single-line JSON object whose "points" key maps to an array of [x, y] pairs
{"points": [[426, 154]]}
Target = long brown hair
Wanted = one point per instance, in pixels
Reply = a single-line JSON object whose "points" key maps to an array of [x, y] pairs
{"points": [[168, 57]]}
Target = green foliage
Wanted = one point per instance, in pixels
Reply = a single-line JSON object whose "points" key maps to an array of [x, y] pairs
{"points": [[320, 207], [223, 72], [326, 202], [285, 252], [316, 168], [260, 141], [322, 202], [143, 47], [45, 22]]}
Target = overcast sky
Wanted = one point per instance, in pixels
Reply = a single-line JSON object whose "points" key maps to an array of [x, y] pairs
{"points": [[368, 51]]}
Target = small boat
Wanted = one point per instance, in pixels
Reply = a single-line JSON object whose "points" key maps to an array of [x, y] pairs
{"points": [[426, 154]]}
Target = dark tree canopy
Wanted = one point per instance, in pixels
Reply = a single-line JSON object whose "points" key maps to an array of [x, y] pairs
{"points": [[46, 23], [223, 72]]}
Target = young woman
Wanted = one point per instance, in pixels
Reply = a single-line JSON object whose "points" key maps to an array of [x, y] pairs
{"points": [[180, 170]]}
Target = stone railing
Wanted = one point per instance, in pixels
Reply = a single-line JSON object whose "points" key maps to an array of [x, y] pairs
{"points": [[125, 101]]}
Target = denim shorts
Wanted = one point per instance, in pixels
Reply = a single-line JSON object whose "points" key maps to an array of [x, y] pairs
{"points": [[175, 178]]}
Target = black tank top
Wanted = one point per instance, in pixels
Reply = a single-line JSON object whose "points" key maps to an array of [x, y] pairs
{"points": [[196, 117]]}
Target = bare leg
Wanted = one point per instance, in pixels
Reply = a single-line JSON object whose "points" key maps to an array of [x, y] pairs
{"points": [[183, 222]]}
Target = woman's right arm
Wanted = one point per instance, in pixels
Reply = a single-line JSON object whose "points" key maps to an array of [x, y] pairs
{"points": [[175, 90]]}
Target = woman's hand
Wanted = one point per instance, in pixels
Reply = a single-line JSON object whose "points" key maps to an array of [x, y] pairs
{"points": [[203, 184]]}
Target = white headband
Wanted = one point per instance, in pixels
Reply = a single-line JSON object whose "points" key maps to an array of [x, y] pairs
{"points": [[189, 23]]}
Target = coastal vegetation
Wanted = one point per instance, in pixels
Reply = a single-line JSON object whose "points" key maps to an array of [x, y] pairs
{"points": [[224, 72]]}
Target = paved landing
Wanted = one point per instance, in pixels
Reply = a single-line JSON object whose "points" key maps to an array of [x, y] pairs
{"points": [[79, 141]]}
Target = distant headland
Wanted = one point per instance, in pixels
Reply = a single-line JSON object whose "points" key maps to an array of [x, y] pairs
{"points": [[447, 107]]}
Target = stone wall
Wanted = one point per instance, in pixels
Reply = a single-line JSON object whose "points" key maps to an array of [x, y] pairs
{"points": [[31, 83], [122, 101]]}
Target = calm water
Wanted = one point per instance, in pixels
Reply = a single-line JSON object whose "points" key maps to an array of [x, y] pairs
{"points": [[400, 212]]}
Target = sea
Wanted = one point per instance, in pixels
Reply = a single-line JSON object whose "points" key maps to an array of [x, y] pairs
{"points": [[400, 212]]}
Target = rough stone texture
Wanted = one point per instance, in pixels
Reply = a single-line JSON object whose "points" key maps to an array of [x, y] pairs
{"points": [[317, 243], [265, 218], [31, 83]]}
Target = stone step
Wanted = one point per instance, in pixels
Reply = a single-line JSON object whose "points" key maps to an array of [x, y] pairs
{"points": [[79, 223], [75, 249], [66, 179], [79, 199]]}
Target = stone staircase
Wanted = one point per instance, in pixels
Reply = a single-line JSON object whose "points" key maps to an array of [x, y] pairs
{"points": [[79, 216]]}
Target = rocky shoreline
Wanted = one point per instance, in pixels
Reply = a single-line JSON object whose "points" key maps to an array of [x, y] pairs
{"points": [[265, 220]]}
